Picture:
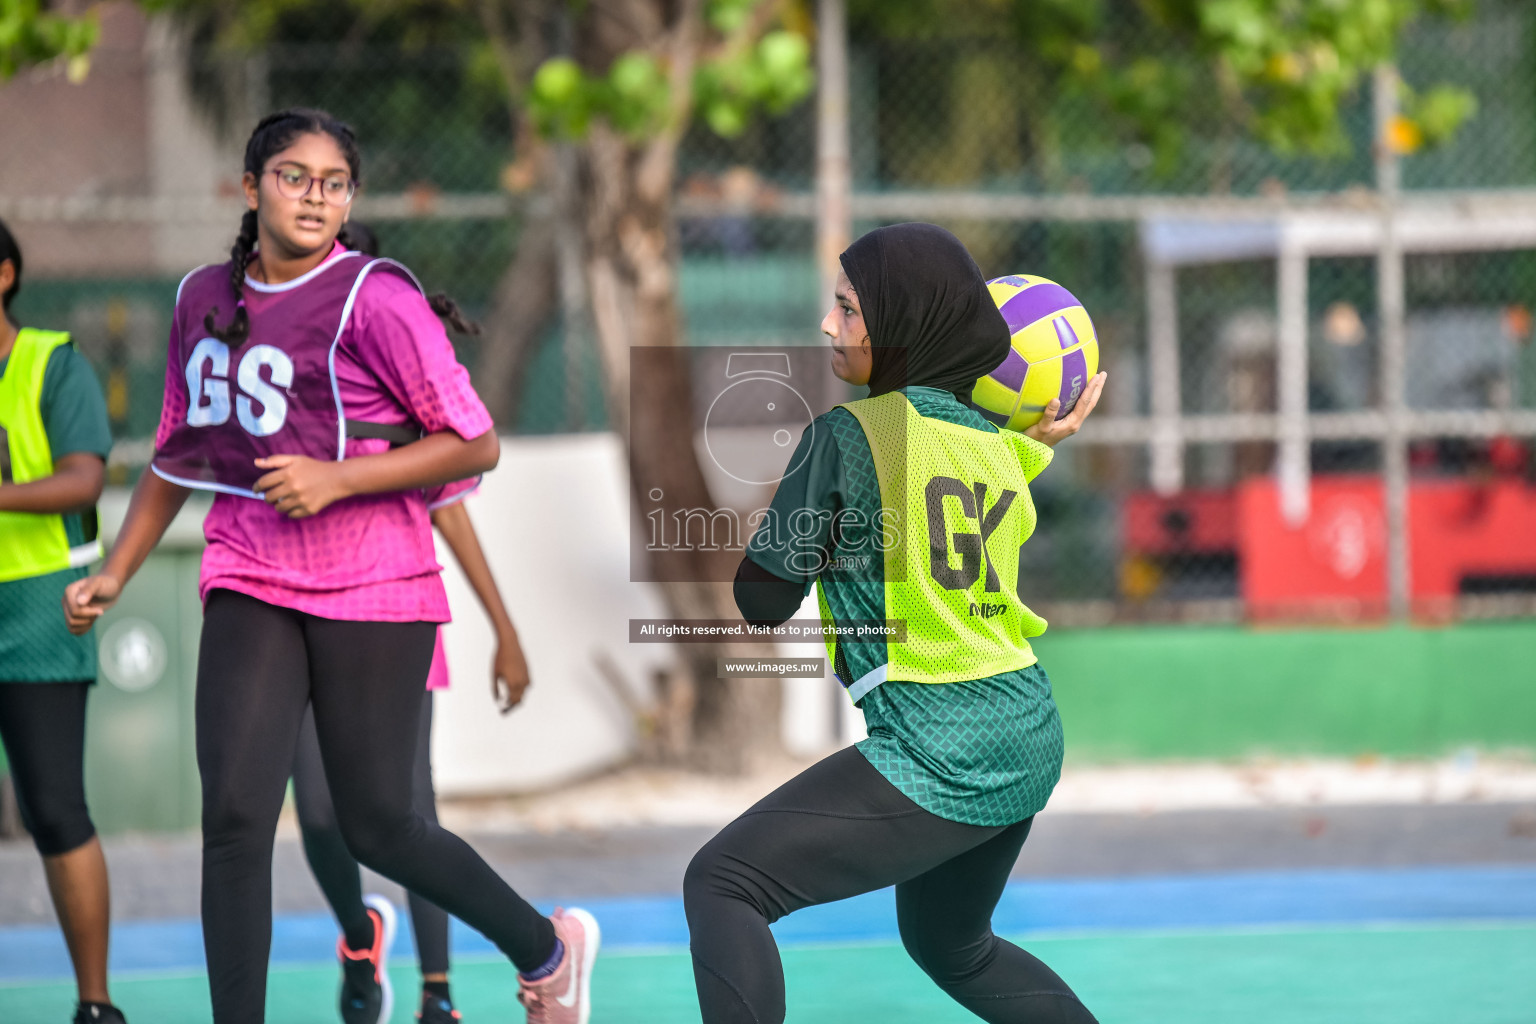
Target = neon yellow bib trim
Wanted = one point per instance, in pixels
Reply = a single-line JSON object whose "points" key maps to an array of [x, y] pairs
{"points": [[964, 511], [31, 543]]}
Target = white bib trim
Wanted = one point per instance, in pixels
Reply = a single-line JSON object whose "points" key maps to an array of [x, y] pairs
{"points": [[866, 682], [84, 554]]}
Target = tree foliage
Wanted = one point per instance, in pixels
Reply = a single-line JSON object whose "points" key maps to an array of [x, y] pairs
{"points": [[1165, 73], [745, 68], [1288, 64], [30, 36]]}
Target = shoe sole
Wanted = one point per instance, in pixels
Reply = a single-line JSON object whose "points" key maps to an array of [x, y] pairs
{"points": [[386, 912], [594, 939]]}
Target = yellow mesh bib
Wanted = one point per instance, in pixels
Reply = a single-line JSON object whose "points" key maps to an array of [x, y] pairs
{"points": [[960, 497], [31, 543]]}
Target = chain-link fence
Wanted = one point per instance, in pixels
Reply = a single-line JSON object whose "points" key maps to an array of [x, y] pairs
{"points": [[1036, 176]]}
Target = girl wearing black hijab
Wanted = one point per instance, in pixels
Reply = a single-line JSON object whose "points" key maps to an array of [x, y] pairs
{"points": [[905, 506]]}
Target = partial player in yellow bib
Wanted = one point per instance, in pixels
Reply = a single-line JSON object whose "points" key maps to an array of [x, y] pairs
{"points": [[54, 441], [907, 507]]}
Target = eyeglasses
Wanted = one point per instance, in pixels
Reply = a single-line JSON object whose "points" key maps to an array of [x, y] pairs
{"points": [[293, 183]]}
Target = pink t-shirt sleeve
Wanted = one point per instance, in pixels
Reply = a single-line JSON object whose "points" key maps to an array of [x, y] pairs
{"points": [[395, 334], [174, 408]]}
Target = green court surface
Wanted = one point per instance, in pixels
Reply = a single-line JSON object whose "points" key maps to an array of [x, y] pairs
{"points": [[1472, 974]]}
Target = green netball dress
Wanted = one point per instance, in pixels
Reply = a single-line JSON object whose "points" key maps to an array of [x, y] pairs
{"points": [[924, 527]]}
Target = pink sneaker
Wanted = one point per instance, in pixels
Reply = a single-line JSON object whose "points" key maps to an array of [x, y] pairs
{"points": [[565, 997]]}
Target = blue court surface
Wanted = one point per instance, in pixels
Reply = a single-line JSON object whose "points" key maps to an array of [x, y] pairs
{"points": [[1438, 946]]}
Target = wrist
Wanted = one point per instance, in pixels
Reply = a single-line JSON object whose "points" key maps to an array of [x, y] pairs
{"points": [[1042, 442], [120, 564], [505, 631], [344, 477]]}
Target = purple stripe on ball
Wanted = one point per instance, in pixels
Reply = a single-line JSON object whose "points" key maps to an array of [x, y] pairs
{"points": [[1011, 374], [1064, 332], [1036, 303], [1074, 377], [1012, 280]]}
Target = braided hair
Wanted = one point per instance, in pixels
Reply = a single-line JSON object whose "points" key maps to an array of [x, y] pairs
{"points": [[360, 237], [273, 134], [355, 235], [449, 310], [9, 250]]}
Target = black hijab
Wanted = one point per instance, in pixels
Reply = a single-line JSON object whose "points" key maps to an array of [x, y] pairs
{"points": [[925, 303]]}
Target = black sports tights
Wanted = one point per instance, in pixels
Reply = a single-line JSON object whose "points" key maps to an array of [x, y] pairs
{"points": [[840, 829], [334, 866], [43, 728], [259, 666]]}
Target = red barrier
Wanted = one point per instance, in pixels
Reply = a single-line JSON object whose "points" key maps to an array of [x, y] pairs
{"points": [[1459, 529], [1333, 564], [1190, 522]]}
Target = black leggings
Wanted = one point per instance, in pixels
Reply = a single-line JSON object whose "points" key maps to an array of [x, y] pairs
{"points": [[839, 829], [334, 866], [259, 667], [43, 728]]}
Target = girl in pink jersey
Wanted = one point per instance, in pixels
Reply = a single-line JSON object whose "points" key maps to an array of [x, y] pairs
{"points": [[290, 370]]}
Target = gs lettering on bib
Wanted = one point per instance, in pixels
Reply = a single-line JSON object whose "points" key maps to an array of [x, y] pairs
{"points": [[274, 394]]}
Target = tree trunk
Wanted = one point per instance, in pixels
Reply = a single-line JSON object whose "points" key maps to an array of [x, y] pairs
{"points": [[525, 294], [631, 271], [520, 309]]}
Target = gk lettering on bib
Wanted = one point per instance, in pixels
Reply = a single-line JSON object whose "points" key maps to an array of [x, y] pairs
{"points": [[273, 394], [959, 500]]}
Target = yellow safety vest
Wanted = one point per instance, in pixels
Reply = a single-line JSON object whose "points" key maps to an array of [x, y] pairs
{"points": [[960, 497], [31, 543]]}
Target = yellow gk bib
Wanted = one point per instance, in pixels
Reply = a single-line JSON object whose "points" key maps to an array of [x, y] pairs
{"points": [[962, 511]]}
